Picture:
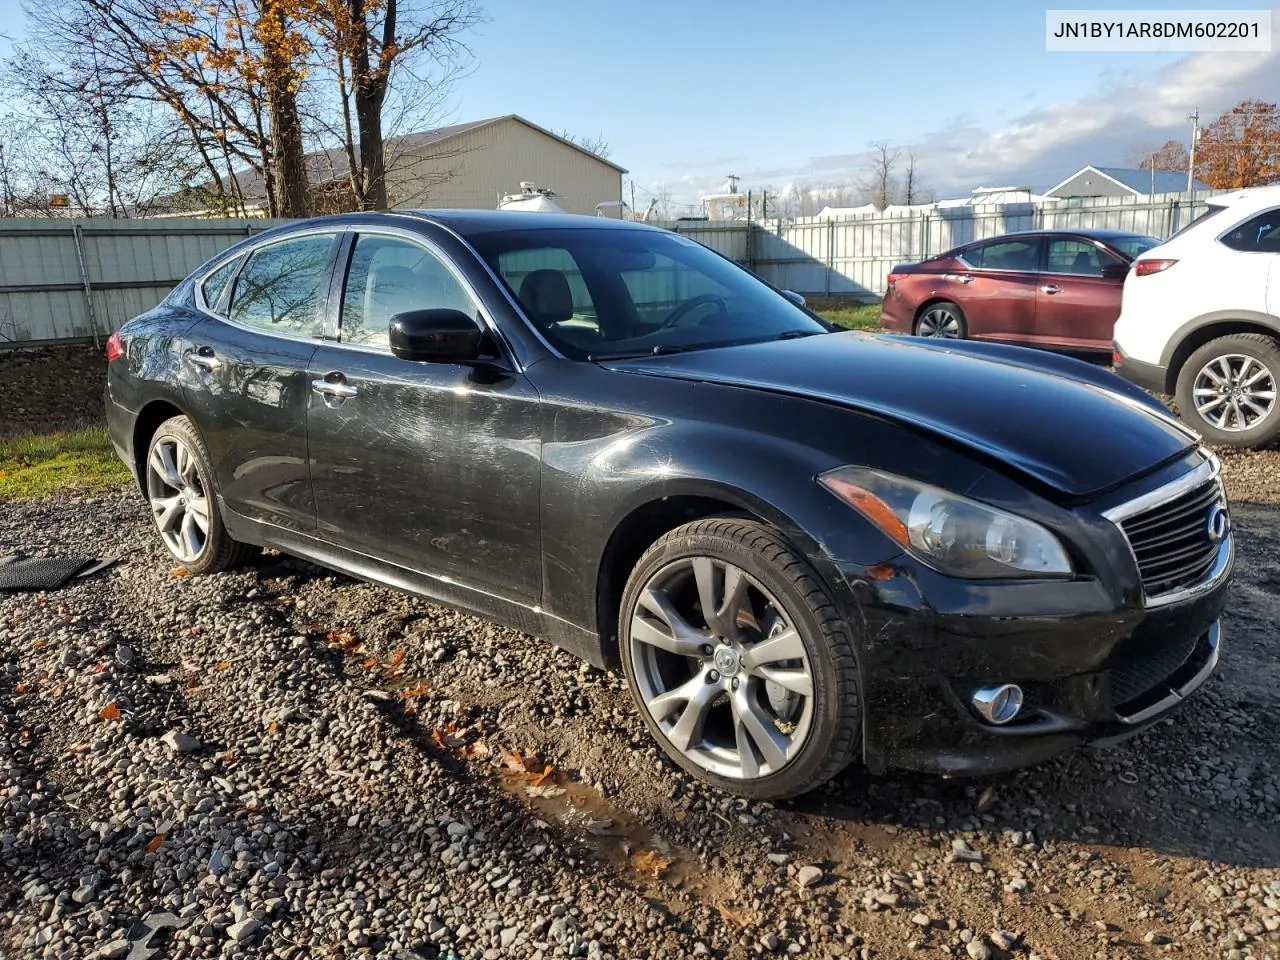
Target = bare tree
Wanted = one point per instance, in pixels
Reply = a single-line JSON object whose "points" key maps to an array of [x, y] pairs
{"points": [[1171, 156], [880, 184], [914, 190], [597, 144]]}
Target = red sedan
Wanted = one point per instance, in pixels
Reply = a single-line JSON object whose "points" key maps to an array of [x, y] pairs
{"points": [[1049, 288]]}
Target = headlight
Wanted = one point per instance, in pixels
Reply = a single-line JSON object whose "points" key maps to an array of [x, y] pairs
{"points": [[952, 534]]}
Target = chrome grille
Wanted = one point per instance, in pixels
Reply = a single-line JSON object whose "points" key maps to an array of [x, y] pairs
{"points": [[1171, 540]]}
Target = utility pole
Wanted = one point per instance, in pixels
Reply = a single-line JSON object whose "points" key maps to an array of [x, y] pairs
{"points": [[633, 199], [1191, 155]]}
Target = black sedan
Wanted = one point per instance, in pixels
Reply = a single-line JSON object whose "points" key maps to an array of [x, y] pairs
{"points": [[803, 547]]}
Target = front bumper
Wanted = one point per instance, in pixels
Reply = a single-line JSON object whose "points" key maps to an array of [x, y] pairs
{"points": [[1095, 676], [1148, 376]]}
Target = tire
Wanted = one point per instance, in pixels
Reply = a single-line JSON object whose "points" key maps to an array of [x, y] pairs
{"points": [[941, 316], [717, 701], [1243, 371], [178, 481]]}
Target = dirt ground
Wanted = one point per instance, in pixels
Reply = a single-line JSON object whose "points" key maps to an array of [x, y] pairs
{"points": [[351, 788]]}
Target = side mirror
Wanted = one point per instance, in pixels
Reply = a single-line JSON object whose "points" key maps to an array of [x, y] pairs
{"points": [[794, 297], [436, 336], [1115, 271]]}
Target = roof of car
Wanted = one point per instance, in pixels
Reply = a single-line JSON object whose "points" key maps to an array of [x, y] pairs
{"points": [[1090, 233], [474, 222]]}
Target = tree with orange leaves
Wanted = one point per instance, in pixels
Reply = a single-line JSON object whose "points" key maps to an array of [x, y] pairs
{"points": [[1241, 148]]}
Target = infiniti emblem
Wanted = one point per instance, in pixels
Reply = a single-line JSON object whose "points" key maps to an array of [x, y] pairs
{"points": [[1218, 523]]}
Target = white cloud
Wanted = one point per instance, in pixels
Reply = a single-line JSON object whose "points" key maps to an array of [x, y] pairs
{"points": [[1130, 109]]}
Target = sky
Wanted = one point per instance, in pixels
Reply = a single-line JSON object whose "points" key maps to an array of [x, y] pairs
{"points": [[689, 91]]}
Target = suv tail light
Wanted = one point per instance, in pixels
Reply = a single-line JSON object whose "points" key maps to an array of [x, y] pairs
{"points": [[893, 278], [1144, 268], [115, 347]]}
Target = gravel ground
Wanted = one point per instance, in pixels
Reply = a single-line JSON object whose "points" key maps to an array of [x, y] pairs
{"points": [[280, 762]]}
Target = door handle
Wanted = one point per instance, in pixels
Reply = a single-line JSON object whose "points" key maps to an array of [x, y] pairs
{"points": [[959, 277], [1050, 288], [204, 357], [334, 388]]}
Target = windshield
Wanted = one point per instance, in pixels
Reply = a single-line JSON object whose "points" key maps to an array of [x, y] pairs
{"points": [[1132, 247], [603, 292]]}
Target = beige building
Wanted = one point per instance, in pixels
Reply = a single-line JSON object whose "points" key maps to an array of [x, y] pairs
{"points": [[474, 165], [468, 165]]}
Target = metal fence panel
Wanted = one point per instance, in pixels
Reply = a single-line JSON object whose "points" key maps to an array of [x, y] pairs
{"points": [[64, 280], [79, 280]]}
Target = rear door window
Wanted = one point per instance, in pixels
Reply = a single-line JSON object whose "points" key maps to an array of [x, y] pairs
{"points": [[1077, 258], [280, 286], [1021, 255]]}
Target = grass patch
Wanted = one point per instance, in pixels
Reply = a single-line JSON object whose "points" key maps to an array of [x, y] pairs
{"points": [[861, 316], [41, 465]]}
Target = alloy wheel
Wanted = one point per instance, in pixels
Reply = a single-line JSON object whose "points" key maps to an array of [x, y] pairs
{"points": [[938, 322], [721, 668], [179, 499], [1234, 392]]}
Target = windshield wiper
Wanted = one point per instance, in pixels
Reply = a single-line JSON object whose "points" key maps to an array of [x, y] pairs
{"points": [[797, 334], [659, 350]]}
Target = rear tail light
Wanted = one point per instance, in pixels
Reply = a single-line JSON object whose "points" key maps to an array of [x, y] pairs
{"points": [[1115, 358], [115, 347], [893, 278], [1144, 268]]}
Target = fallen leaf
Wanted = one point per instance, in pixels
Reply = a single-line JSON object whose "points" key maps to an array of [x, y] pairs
{"points": [[110, 711], [577, 800], [737, 916], [39, 644], [447, 738], [21, 688], [395, 660], [154, 845], [544, 793], [223, 665], [273, 726], [650, 862], [476, 749], [421, 690], [179, 572], [226, 756]]}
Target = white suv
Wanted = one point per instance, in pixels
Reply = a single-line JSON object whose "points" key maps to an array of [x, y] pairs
{"points": [[1200, 319]]}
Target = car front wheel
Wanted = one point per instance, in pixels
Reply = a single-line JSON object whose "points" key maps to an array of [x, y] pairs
{"points": [[183, 502], [1227, 390], [738, 660]]}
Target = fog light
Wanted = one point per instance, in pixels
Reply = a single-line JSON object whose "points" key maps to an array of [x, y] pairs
{"points": [[998, 704]]}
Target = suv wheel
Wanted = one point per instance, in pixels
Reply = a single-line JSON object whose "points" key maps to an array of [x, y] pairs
{"points": [[1227, 390], [741, 666]]}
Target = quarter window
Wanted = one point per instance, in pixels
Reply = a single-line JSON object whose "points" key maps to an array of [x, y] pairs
{"points": [[279, 288], [1078, 258], [1259, 235], [387, 276], [217, 281]]}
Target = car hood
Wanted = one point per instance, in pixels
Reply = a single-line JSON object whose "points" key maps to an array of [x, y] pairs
{"points": [[1072, 426]]}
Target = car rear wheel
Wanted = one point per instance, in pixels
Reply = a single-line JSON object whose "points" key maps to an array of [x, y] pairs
{"points": [[741, 667], [183, 502], [1227, 390], [942, 320]]}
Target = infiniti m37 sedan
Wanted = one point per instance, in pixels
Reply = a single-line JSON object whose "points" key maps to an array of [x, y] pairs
{"points": [[798, 545]]}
